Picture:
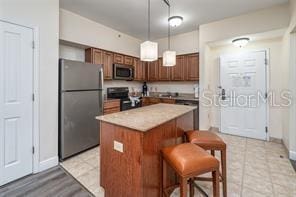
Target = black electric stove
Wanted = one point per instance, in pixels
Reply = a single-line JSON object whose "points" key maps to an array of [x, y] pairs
{"points": [[122, 93]]}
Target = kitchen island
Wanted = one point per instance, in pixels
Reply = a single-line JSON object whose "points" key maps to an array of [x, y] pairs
{"points": [[130, 148]]}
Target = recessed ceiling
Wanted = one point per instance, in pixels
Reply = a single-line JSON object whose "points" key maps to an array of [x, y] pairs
{"points": [[130, 16]]}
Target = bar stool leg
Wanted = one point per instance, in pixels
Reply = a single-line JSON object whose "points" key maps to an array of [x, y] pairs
{"points": [[191, 187], [213, 153], [183, 187], [224, 173], [161, 174], [215, 175]]}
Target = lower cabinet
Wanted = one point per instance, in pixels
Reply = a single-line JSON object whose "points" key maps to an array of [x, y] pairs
{"points": [[111, 106], [153, 100]]}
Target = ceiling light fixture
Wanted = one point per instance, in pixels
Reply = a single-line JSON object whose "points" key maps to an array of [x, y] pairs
{"points": [[241, 42], [169, 57], [149, 50], [175, 21]]}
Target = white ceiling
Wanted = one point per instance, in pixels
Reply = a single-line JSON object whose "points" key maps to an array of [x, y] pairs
{"points": [[130, 16]]}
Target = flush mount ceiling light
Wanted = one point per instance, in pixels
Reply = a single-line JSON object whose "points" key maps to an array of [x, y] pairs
{"points": [[241, 42], [169, 57], [149, 50], [175, 21]]}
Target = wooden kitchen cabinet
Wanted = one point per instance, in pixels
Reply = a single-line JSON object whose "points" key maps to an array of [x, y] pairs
{"points": [[108, 64], [105, 58], [128, 60], [167, 100], [192, 67], [163, 71], [118, 58], [140, 70], [111, 106], [177, 71], [153, 70]]}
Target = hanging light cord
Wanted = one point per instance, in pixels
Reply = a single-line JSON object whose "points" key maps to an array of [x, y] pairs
{"points": [[149, 20], [169, 28]]}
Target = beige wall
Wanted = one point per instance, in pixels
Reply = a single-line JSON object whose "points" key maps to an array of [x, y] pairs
{"points": [[77, 29], [288, 80], [261, 21], [274, 46], [43, 14], [181, 43]]}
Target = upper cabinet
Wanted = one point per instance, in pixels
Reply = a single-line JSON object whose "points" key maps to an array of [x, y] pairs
{"points": [[186, 68], [163, 71], [118, 58], [140, 70], [177, 71], [97, 56], [152, 69], [192, 67]]}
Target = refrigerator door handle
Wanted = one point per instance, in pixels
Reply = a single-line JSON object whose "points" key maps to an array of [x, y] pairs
{"points": [[101, 81]]}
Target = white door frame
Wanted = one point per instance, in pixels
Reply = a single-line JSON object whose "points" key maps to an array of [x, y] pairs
{"points": [[36, 129], [267, 70]]}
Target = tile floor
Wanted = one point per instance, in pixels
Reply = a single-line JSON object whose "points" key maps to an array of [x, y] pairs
{"points": [[255, 168]]}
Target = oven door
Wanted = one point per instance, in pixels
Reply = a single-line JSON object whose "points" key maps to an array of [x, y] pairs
{"points": [[123, 72]]}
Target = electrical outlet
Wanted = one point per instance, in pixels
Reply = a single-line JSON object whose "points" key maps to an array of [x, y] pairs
{"points": [[118, 146]]}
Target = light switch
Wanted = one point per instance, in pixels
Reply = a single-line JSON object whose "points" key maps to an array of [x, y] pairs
{"points": [[118, 146]]}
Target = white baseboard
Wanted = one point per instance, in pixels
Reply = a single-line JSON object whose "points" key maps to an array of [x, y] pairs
{"points": [[292, 155], [49, 163]]}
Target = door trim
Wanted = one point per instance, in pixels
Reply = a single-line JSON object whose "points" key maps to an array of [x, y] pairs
{"points": [[267, 83], [36, 128]]}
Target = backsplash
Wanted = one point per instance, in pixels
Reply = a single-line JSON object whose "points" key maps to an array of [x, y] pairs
{"points": [[180, 87]]}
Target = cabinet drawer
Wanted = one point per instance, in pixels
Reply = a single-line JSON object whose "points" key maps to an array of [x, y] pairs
{"points": [[169, 101], [111, 104], [111, 110]]}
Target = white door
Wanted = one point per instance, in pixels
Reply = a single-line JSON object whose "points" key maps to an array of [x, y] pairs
{"points": [[243, 84], [16, 105]]}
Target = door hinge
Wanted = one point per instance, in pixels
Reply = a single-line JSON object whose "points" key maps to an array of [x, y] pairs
{"points": [[33, 150], [33, 45], [266, 61], [266, 129], [33, 97], [266, 95]]}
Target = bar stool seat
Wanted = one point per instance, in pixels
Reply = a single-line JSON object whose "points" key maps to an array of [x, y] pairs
{"points": [[206, 139], [189, 161], [211, 141]]}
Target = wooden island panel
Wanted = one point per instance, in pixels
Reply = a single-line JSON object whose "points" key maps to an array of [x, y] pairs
{"points": [[136, 171]]}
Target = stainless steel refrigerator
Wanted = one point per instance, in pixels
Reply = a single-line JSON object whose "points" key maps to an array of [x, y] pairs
{"points": [[80, 101]]}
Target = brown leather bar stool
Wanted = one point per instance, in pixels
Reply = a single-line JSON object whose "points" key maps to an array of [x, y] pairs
{"points": [[190, 161], [210, 141]]}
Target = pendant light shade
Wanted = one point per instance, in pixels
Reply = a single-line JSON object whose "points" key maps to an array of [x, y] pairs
{"points": [[149, 50], [169, 58]]}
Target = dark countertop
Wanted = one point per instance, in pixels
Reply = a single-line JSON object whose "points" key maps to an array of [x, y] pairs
{"points": [[181, 97]]}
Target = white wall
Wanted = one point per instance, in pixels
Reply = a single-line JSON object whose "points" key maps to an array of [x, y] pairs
{"points": [[43, 14], [288, 81], [78, 54], [77, 29], [182, 43], [261, 21], [274, 46], [72, 53]]}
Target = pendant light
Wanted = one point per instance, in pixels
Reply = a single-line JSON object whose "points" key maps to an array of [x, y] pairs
{"points": [[149, 50], [169, 57]]}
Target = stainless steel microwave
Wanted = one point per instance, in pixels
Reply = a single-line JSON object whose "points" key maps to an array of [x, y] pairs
{"points": [[123, 72]]}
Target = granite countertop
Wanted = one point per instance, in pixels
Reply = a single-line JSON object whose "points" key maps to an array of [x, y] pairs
{"points": [[146, 118]]}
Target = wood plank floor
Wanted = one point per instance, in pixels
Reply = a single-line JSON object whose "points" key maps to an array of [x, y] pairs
{"points": [[53, 182]]}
